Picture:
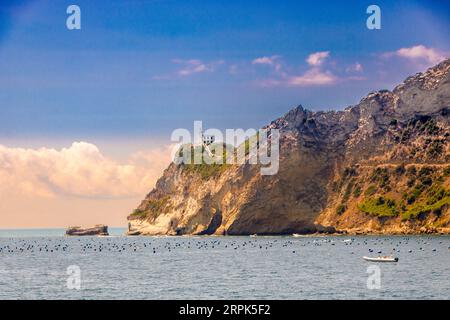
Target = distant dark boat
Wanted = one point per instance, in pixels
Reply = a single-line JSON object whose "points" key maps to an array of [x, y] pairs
{"points": [[98, 230]]}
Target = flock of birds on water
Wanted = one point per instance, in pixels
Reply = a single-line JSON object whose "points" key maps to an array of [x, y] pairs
{"points": [[89, 245]]}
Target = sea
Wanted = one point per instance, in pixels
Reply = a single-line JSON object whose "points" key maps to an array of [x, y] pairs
{"points": [[45, 264]]}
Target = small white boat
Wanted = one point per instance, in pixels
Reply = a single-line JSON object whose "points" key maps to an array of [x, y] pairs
{"points": [[381, 259], [253, 235], [296, 235]]}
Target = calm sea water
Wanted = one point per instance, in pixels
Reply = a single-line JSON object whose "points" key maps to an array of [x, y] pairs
{"points": [[34, 263], [42, 233]]}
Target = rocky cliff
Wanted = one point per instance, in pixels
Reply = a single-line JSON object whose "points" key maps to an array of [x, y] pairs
{"points": [[382, 166]]}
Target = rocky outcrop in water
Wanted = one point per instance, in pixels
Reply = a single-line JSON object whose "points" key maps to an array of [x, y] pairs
{"points": [[98, 230], [381, 166]]}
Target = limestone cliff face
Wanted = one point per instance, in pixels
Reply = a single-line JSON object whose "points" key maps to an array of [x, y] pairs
{"points": [[381, 166]]}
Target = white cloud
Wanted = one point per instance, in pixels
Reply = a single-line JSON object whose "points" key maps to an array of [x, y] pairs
{"points": [[79, 171], [196, 66], [271, 61], [313, 77], [316, 59], [419, 54], [265, 60], [356, 67]]}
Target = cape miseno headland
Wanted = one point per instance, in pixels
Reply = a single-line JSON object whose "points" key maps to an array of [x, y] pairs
{"points": [[381, 166]]}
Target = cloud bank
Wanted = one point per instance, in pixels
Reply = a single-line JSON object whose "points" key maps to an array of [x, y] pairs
{"points": [[78, 171]]}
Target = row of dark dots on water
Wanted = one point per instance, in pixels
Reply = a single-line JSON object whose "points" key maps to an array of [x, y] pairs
{"points": [[119, 245]]}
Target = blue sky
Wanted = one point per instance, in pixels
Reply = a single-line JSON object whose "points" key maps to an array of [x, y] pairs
{"points": [[117, 76], [86, 115]]}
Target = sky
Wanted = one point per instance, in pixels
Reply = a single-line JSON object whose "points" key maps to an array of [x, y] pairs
{"points": [[86, 115]]}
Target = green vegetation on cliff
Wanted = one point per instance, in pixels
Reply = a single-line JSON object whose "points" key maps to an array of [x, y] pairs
{"points": [[425, 192], [206, 171], [380, 206], [138, 213], [153, 208], [207, 166], [420, 208]]}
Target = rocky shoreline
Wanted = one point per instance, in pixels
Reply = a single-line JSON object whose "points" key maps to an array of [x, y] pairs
{"points": [[328, 231]]}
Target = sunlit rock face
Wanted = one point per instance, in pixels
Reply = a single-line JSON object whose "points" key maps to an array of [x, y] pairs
{"points": [[356, 170]]}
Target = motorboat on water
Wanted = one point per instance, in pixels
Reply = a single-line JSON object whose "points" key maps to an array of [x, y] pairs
{"points": [[381, 259]]}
